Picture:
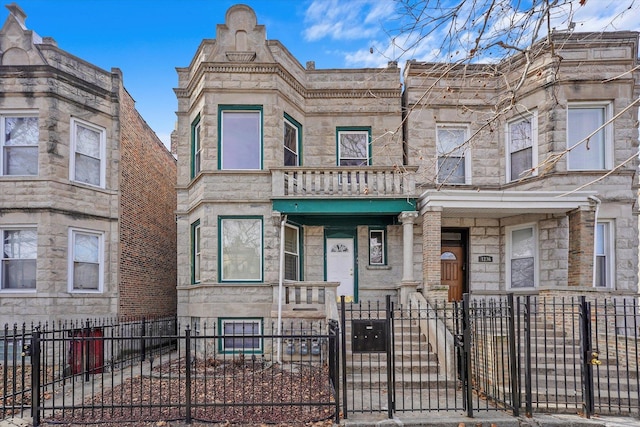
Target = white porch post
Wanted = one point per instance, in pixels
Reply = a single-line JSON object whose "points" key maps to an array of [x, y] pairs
{"points": [[407, 219]]}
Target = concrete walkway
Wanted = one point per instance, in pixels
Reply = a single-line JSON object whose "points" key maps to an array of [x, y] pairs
{"points": [[443, 419]]}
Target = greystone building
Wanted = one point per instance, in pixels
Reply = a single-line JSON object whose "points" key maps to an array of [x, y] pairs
{"points": [[297, 185], [86, 190]]}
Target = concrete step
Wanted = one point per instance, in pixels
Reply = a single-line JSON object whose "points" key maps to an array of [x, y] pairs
{"points": [[407, 381]]}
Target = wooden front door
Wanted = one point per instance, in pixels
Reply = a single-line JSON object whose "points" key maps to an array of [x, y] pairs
{"points": [[452, 270]]}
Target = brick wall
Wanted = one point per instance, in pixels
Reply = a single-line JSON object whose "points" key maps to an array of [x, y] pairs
{"points": [[147, 274], [431, 228], [581, 223]]}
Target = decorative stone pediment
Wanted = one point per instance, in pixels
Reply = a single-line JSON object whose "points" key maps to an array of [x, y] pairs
{"points": [[17, 43], [240, 38]]}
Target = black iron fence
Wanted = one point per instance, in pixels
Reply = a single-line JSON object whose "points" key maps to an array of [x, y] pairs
{"points": [[521, 354], [152, 370], [526, 353]]}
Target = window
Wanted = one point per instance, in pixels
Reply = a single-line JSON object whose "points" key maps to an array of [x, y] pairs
{"points": [[241, 335], [291, 252], [85, 262], [522, 147], [19, 254], [353, 146], [240, 249], [453, 166], [195, 252], [87, 161], [377, 250], [20, 138], [594, 154], [291, 142], [240, 138], [603, 260], [196, 148], [522, 259]]}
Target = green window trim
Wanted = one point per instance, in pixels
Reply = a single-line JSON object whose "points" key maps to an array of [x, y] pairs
{"points": [[196, 252], [259, 271], [256, 336], [222, 108], [341, 129], [377, 256], [298, 126], [196, 147]]}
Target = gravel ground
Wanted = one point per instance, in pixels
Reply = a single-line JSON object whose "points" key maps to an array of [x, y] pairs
{"points": [[266, 390]]}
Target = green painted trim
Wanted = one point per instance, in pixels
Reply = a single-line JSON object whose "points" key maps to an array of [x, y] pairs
{"points": [[221, 335], [344, 206], [195, 123], [379, 221], [222, 218], [384, 244], [239, 107], [194, 225], [299, 126], [353, 128], [344, 232]]}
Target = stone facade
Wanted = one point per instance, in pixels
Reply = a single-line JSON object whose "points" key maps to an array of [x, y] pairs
{"points": [[533, 232], [93, 195], [585, 74]]}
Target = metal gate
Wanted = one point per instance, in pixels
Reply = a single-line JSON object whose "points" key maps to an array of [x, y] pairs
{"points": [[491, 353], [397, 358]]}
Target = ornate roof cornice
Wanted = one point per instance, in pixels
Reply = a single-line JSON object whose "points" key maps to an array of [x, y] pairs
{"points": [[277, 69]]}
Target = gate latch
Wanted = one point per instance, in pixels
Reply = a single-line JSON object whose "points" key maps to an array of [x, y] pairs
{"points": [[26, 350], [594, 359]]}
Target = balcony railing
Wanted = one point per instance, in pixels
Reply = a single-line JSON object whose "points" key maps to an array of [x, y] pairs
{"points": [[368, 181]]}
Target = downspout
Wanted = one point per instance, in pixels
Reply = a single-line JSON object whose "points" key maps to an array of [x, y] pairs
{"points": [[595, 238], [283, 221]]}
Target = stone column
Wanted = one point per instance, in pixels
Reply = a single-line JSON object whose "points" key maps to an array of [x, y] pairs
{"points": [[408, 285], [407, 219]]}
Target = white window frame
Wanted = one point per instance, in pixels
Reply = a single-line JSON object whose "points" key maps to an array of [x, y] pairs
{"points": [[508, 254], [72, 157], [16, 227], [71, 258], [250, 111], [17, 114], [224, 256], [382, 248], [197, 252], [532, 117], [465, 152], [295, 255], [367, 134], [607, 135], [252, 350], [608, 253], [292, 125]]}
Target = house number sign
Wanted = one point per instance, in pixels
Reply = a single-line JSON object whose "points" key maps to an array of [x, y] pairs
{"points": [[485, 258]]}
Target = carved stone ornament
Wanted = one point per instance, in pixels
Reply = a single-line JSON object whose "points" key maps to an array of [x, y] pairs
{"points": [[241, 56]]}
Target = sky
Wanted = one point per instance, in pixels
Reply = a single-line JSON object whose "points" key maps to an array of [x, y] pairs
{"points": [[148, 39]]}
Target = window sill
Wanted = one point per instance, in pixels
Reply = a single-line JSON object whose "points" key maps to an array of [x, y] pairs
{"points": [[378, 267]]}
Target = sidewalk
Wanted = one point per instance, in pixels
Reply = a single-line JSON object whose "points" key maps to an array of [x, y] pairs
{"points": [[484, 419], [440, 419]]}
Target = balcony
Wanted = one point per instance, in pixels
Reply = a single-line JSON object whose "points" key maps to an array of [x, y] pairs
{"points": [[322, 182]]}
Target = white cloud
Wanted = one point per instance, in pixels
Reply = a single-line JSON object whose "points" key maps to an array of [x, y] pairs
{"points": [[340, 20], [437, 43]]}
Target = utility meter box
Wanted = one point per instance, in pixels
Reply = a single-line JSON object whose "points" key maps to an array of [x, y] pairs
{"points": [[369, 335]]}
